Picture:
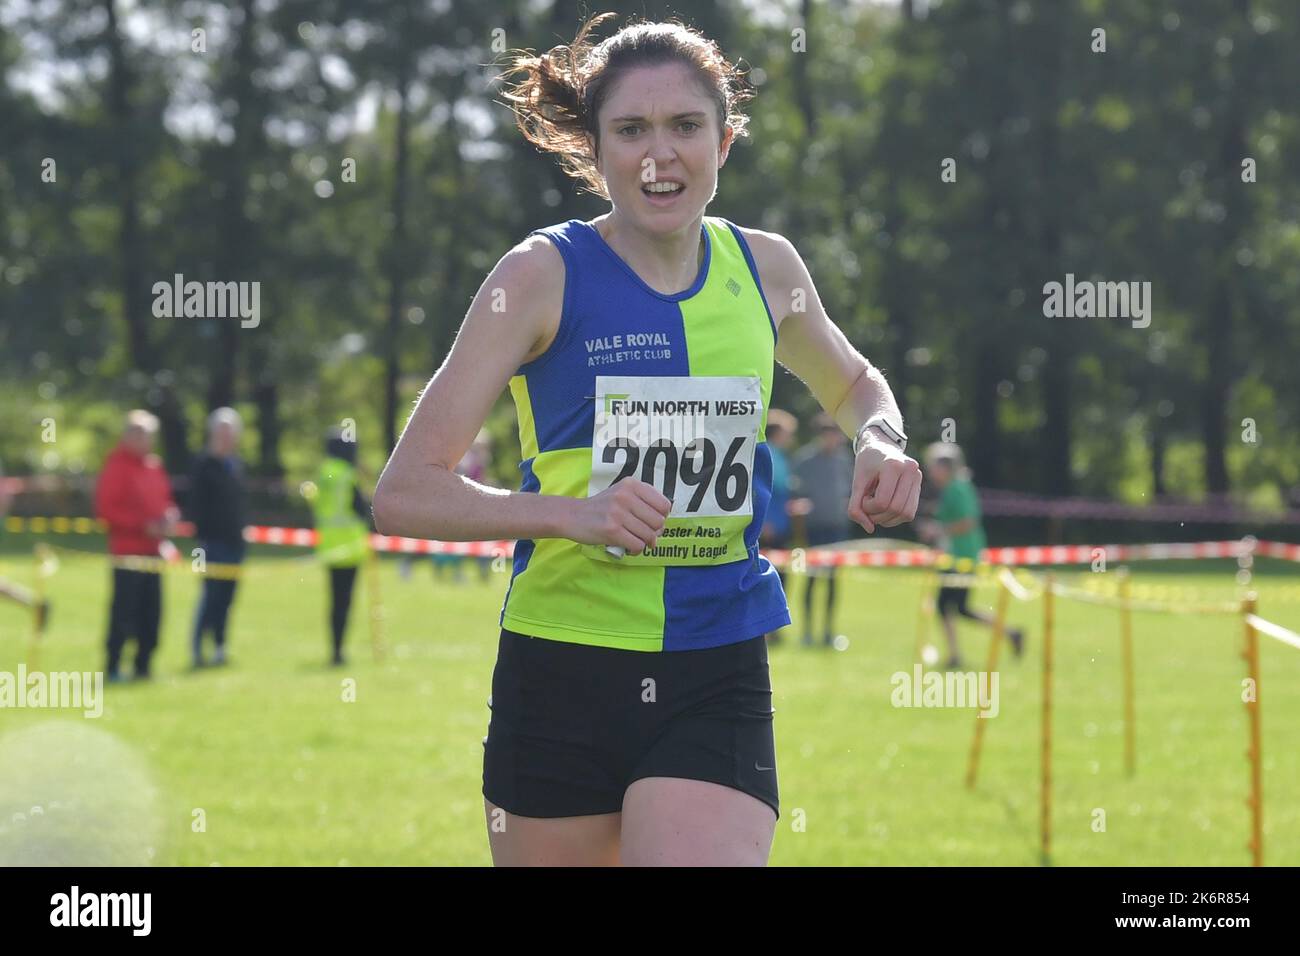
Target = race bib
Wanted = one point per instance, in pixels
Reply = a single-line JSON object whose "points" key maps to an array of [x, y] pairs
{"points": [[693, 438]]}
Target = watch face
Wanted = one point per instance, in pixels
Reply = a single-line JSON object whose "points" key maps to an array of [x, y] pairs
{"points": [[894, 435], [887, 430]]}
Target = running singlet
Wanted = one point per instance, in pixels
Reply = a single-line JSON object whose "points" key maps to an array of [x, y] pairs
{"points": [[672, 390]]}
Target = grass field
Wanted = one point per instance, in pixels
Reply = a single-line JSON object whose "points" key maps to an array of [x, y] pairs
{"points": [[285, 772]]}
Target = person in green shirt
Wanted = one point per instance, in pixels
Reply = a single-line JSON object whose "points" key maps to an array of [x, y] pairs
{"points": [[957, 525]]}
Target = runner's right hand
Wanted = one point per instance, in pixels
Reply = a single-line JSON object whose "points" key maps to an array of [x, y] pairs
{"points": [[629, 514]]}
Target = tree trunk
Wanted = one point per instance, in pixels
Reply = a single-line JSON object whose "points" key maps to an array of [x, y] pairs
{"points": [[984, 453], [1158, 460], [397, 256], [236, 230], [266, 396], [1224, 294], [896, 281], [1056, 478], [804, 96], [135, 304]]}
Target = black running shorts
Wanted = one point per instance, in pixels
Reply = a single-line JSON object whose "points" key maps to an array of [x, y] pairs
{"points": [[953, 597], [573, 726]]}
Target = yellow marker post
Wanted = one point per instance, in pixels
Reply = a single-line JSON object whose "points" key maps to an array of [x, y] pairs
{"points": [[376, 606], [1256, 800], [925, 611], [999, 626], [40, 608], [1045, 800], [1126, 651]]}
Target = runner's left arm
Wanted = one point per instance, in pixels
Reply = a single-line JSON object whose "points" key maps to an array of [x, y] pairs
{"points": [[886, 482]]}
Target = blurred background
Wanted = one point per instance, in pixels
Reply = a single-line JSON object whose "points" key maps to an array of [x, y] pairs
{"points": [[353, 158]]}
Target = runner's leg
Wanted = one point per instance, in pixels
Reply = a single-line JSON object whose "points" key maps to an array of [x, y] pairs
{"points": [[670, 821], [829, 632], [552, 841]]}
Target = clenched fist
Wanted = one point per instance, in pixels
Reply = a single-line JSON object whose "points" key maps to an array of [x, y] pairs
{"points": [[886, 486], [629, 514]]}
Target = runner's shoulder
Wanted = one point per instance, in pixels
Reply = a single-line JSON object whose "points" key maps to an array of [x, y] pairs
{"points": [[774, 254], [780, 269], [534, 266], [528, 282]]}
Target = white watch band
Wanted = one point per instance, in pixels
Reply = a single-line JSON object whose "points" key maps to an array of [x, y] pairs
{"points": [[895, 435]]}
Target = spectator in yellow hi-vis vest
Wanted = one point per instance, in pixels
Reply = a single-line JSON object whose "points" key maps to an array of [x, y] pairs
{"points": [[342, 528]]}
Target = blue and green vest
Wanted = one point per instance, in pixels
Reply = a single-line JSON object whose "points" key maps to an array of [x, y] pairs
{"points": [[673, 390]]}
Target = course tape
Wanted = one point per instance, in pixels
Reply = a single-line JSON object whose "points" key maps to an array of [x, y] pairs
{"points": [[1021, 583], [149, 564], [914, 557], [1276, 631]]}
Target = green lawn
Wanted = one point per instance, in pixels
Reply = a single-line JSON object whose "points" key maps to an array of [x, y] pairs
{"points": [[285, 771]]}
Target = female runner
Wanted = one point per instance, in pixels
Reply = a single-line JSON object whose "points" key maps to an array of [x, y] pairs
{"points": [[631, 710]]}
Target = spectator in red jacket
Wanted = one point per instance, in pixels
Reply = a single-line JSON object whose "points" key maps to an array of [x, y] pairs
{"points": [[134, 498]]}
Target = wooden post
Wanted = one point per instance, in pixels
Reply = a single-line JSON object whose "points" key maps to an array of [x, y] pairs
{"points": [[40, 609], [999, 626], [1126, 651], [1256, 758], [376, 606], [1045, 801], [925, 611]]}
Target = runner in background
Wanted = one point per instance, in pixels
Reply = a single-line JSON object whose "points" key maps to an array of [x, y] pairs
{"points": [[958, 530], [780, 433], [823, 480], [216, 505], [342, 529], [134, 498]]}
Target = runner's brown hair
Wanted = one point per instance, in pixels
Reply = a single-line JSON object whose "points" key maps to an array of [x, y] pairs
{"points": [[556, 96]]}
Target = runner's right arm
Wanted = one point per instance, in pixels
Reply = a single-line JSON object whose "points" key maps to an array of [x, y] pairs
{"points": [[512, 320]]}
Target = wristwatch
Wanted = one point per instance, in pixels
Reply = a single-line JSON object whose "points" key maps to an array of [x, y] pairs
{"points": [[894, 434]]}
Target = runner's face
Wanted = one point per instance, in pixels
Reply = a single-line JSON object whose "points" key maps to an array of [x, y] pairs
{"points": [[659, 126]]}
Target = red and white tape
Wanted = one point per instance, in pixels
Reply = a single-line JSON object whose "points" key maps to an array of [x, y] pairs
{"points": [[852, 557], [812, 557]]}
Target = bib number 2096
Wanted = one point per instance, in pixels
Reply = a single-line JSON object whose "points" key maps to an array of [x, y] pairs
{"points": [[696, 466], [692, 437]]}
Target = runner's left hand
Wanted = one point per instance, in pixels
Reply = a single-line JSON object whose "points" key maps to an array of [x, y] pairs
{"points": [[886, 486]]}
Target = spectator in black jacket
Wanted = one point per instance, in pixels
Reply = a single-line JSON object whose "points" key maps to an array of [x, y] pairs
{"points": [[217, 509]]}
